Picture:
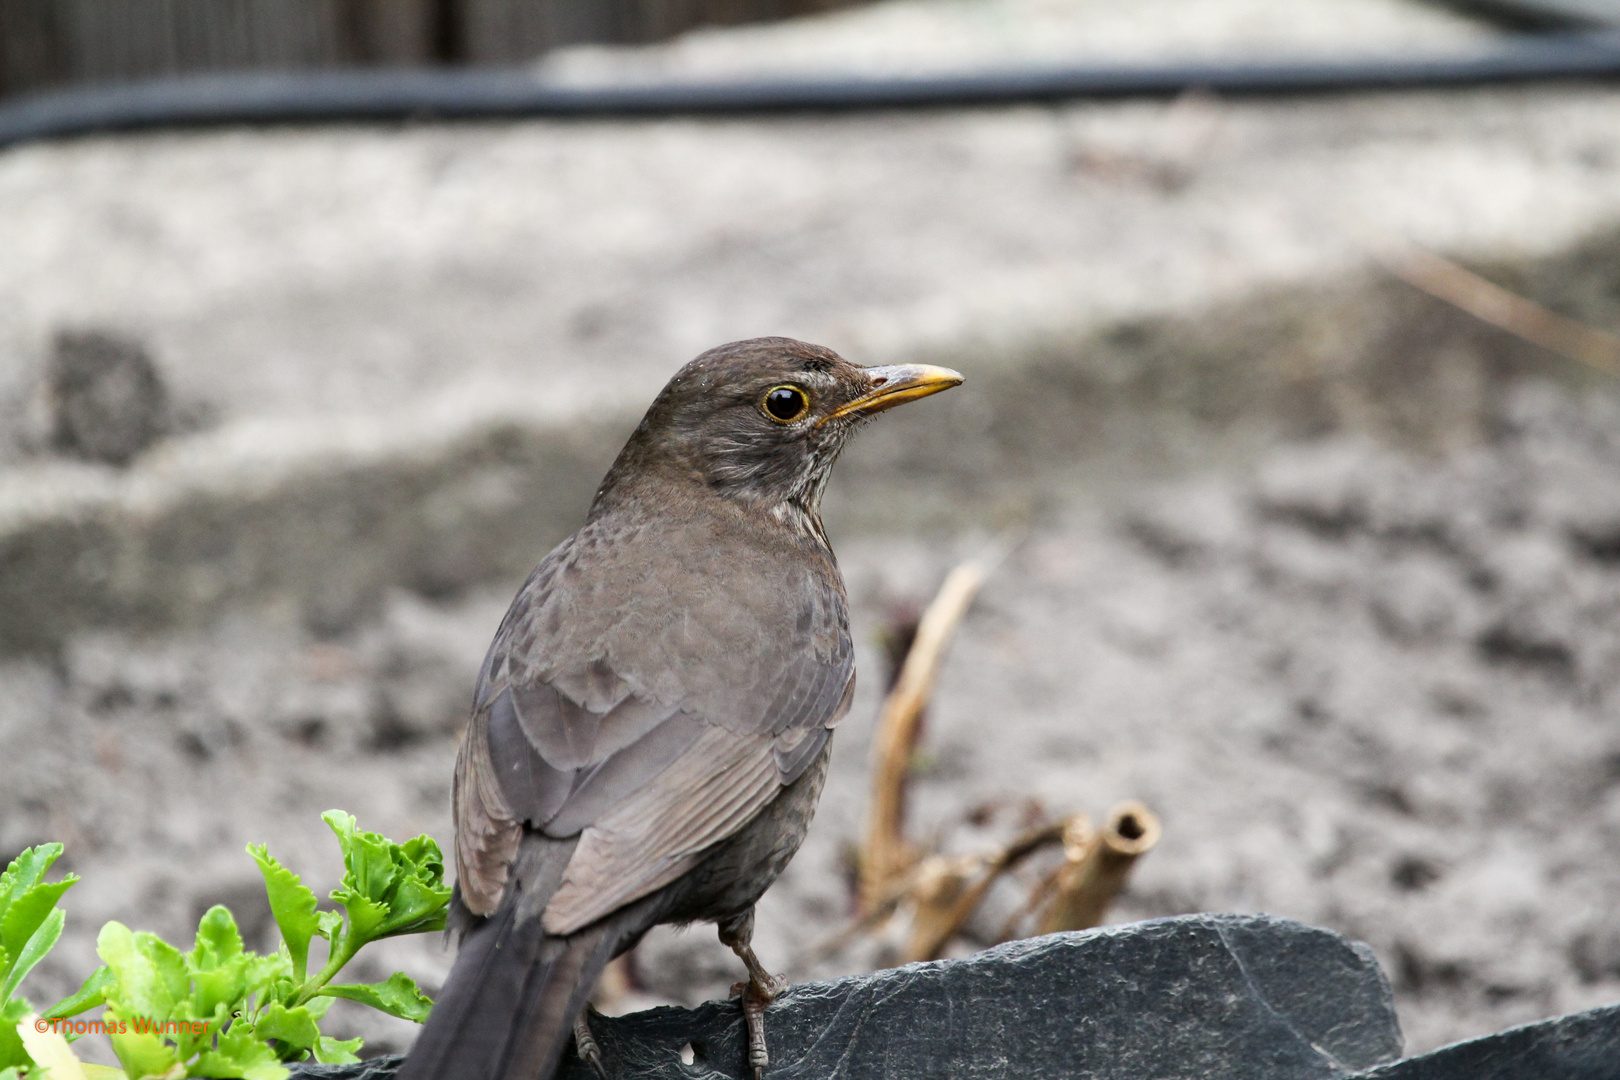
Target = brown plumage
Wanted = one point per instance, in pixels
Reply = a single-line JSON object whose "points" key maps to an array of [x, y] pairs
{"points": [[650, 728]]}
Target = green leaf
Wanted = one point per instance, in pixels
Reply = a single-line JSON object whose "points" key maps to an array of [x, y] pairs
{"points": [[91, 994], [215, 964], [224, 975], [8, 1074], [281, 986], [141, 1053], [26, 904], [232, 988], [295, 1028], [240, 1053], [33, 951], [420, 899], [25, 871], [331, 1051], [415, 908], [368, 866], [150, 974], [11, 1044], [221, 989], [423, 856], [293, 905], [388, 888], [329, 924], [218, 941], [366, 916], [398, 996], [27, 913]]}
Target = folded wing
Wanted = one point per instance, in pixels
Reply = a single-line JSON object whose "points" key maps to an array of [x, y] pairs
{"points": [[648, 786]]}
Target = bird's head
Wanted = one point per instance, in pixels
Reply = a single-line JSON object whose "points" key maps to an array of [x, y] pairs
{"points": [[763, 420]]}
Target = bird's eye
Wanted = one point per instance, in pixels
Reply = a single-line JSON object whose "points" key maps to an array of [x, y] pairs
{"points": [[786, 403]]}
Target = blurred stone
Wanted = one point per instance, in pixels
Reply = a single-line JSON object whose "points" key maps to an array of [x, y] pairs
{"points": [[1196, 996], [1584, 1046], [106, 400]]}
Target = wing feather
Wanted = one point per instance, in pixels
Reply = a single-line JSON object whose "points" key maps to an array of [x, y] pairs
{"points": [[609, 783], [532, 788], [659, 833], [487, 833]]}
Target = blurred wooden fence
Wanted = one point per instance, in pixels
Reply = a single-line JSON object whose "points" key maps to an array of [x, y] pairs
{"points": [[54, 42]]}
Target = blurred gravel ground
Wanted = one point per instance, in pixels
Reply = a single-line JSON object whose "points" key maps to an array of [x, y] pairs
{"points": [[1373, 691]]}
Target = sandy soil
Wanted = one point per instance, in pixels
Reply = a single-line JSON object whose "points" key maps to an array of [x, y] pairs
{"points": [[1369, 690]]}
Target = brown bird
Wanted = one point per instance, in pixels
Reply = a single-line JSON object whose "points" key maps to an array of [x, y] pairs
{"points": [[651, 727]]}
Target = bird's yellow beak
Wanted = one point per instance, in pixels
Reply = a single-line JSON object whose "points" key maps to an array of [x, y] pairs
{"points": [[895, 385]]}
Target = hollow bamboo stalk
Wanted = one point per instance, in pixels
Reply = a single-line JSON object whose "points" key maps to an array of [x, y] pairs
{"points": [[1097, 867]]}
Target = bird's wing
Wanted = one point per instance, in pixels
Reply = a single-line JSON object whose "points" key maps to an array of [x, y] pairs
{"points": [[647, 785]]}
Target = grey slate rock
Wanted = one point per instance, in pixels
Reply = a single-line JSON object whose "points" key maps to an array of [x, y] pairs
{"points": [[1580, 1046], [1192, 997], [378, 1068]]}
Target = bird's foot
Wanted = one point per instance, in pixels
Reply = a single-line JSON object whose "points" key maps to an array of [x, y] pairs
{"points": [[767, 989], [755, 996], [759, 991], [585, 1044]]}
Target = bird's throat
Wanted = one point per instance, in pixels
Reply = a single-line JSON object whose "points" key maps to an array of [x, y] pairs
{"points": [[803, 521]]}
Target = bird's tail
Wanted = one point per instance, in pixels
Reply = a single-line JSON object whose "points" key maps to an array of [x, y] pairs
{"points": [[508, 1008]]}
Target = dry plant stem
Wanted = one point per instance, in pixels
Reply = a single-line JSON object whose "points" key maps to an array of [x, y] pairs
{"points": [[885, 854], [1489, 302], [1097, 868], [947, 890], [1075, 829], [867, 921], [944, 888]]}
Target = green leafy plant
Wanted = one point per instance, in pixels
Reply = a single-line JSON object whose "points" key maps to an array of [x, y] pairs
{"points": [[222, 1010], [30, 923]]}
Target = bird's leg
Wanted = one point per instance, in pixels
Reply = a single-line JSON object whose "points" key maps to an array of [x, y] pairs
{"points": [[760, 990], [585, 1043]]}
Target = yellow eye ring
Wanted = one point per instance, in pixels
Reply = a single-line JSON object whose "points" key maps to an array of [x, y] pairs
{"points": [[785, 404]]}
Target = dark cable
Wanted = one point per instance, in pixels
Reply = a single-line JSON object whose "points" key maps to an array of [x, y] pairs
{"points": [[1537, 15], [407, 94]]}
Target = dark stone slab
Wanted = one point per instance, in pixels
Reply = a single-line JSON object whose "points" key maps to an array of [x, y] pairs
{"points": [[378, 1068], [1581, 1046], [1194, 997]]}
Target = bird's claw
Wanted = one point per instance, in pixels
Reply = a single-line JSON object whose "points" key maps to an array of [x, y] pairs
{"points": [[767, 991], [585, 1045], [754, 999]]}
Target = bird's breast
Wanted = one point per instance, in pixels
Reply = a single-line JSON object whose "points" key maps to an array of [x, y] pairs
{"points": [[700, 609]]}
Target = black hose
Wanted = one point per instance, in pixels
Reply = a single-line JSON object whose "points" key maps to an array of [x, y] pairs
{"points": [[404, 94], [1541, 15]]}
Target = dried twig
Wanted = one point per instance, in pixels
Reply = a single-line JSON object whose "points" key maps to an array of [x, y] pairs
{"points": [[1489, 302], [1076, 832], [866, 922], [948, 890], [1095, 867], [885, 854], [939, 892]]}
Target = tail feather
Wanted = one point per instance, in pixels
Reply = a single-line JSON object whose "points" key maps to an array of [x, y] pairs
{"points": [[508, 1008], [553, 996]]}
